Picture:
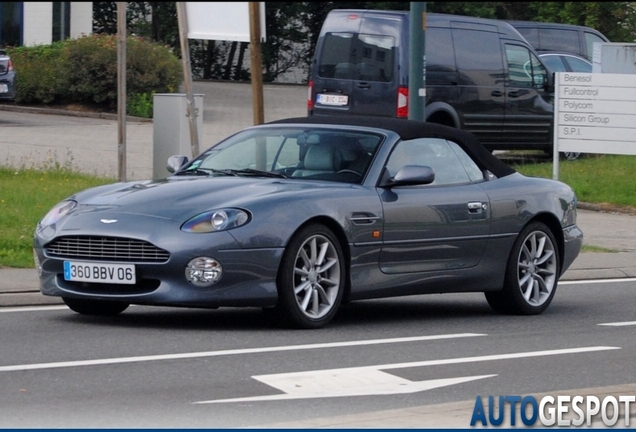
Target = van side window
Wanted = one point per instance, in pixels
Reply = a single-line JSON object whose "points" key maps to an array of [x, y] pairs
{"points": [[559, 39], [590, 38], [478, 55], [363, 57], [524, 68]]}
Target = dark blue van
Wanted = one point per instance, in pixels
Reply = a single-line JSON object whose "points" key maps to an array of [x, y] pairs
{"points": [[481, 75]]}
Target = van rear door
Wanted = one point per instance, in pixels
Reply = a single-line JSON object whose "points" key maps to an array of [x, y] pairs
{"points": [[375, 86], [356, 65], [331, 82]]}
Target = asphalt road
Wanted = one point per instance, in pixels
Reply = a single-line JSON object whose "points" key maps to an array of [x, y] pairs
{"points": [[228, 368], [149, 367]]}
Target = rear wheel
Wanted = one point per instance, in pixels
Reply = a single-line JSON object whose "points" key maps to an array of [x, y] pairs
{"points": [[311, 279], [531, 274], [95, 307]]}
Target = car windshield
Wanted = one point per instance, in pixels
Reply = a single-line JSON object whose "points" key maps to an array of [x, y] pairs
{"points": [[338, 155]]}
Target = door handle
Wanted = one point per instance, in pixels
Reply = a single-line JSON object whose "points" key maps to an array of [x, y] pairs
{"points": [[513, 94], [496, 93], [364, 85], [476, 207]]}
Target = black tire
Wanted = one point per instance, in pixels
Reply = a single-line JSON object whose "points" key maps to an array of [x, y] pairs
{"points": [[95, 307], [311, 279], [532, 273]]}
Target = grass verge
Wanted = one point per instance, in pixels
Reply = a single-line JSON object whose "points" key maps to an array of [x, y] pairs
{"points": [[27, 194]]}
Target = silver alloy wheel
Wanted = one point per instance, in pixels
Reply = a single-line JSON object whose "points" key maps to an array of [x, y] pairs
{"points": [[536, 268], [316, 276], [571, 155]]}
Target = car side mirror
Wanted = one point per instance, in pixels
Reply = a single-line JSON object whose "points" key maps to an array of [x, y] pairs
{"points": [[410, 175], [175, 163]]}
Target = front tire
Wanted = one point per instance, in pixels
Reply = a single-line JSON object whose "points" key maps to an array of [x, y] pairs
{"points": [[532, 273], [311, 279], [95, 307]]}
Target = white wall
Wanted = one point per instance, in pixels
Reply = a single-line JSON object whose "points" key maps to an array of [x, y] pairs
{"points": [[38, 23], [81, 19]]}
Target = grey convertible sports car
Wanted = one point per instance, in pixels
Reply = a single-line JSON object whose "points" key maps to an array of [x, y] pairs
{"points": [[300, 215]]}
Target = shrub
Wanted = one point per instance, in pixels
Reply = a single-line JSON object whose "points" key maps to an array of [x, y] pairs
{"points": [[140, 105], [84, 70], [91, 67], [39, 75]]}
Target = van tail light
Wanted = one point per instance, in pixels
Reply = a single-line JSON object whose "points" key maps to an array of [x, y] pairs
{"points": [[310, 102], [402, 102], [10, 66]]}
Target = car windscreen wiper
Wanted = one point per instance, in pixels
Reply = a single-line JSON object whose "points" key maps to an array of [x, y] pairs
{"points": [[256, 172], [207, 171]]}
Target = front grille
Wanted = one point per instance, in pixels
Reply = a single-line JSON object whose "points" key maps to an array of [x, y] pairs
{"points": [[106, 249]]}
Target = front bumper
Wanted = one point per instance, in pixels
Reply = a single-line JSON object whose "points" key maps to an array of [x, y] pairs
{"points": [[249, 275]]}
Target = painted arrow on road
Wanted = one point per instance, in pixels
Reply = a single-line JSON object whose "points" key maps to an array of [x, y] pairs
{"points": [[371, 380]]}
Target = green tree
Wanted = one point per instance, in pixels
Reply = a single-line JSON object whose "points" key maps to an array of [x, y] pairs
{"points": [[293, 27]]}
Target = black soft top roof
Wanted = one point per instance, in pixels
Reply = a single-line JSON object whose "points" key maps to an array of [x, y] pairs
{"points": [[411, 129]]}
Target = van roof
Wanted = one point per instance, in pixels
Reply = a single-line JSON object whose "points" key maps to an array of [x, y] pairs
{"points": [[542, 24], [434, 19]]}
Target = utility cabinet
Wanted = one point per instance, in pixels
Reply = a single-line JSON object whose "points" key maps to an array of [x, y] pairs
{"points": [[614, 57], [171, 129]]}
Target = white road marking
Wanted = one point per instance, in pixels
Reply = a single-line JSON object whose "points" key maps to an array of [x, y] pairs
{"points": [[619, 324], [370, 380], [232, 352], [350, 382], [596, 281], [32, 308]]}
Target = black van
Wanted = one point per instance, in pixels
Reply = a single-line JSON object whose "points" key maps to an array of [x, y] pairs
{"points": [[544, 36], [481, 75]]}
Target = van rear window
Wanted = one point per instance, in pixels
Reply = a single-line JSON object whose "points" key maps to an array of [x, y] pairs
{"points": [[363, 57]]}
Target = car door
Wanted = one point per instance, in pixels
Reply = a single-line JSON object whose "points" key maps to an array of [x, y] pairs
{"points": [[444, 225]]}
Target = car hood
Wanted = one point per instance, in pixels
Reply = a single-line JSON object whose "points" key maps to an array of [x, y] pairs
{"points": [[180, 198]]}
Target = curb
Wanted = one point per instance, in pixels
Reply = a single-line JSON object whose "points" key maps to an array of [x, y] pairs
{"points": [[67, 112]]}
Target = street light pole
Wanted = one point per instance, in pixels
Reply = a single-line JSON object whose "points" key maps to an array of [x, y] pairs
{"points": [[121, 90], [256, 64], [417, 64]]}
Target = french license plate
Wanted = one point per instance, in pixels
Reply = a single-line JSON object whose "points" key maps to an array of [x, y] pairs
{"points": [[4, 88], [99, 272], [336, 100]]}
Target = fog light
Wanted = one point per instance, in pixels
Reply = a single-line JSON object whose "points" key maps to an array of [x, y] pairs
{"points": [[203, 271]]}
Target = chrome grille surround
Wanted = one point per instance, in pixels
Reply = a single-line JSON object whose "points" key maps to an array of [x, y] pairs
{"points": [[106, 249]]}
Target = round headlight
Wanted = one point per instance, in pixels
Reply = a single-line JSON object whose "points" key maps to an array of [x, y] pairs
{"points": [[219, 220], [203, 271]]}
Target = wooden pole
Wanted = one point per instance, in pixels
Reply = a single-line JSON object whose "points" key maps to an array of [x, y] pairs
{"points": [[121, 90], [187, 77], [256, 65]]}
